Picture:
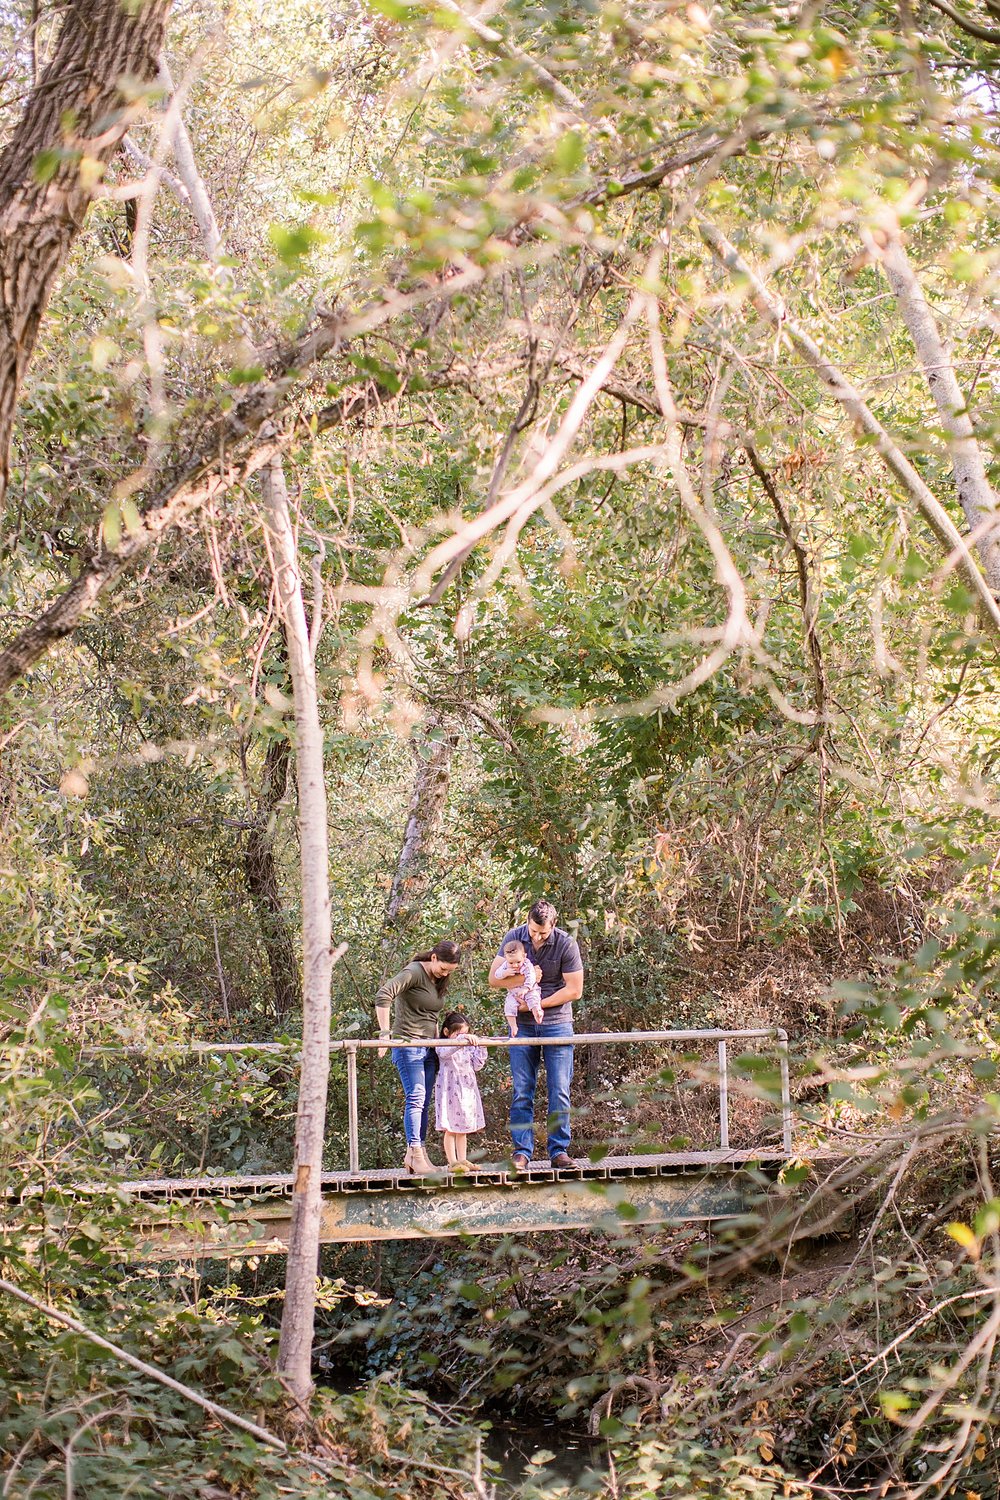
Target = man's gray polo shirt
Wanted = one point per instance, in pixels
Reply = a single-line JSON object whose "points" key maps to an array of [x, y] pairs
{"points": [[560, 955]]}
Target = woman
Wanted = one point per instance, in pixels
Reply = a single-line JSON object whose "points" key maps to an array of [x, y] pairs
{"points": [[417, 994]]}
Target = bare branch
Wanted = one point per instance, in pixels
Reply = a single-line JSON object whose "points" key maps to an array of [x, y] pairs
{"points": [[972, 485], [204, 478], [773, 310], [531, 490], [974, 28], [501, 47], [807, 600], [232, 1418]]}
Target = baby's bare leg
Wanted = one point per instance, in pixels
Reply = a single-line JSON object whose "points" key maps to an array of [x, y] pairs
{"points": [[450, 1147]]}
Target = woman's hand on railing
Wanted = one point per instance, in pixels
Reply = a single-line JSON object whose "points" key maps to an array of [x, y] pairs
{"points": [[383, 1036]]}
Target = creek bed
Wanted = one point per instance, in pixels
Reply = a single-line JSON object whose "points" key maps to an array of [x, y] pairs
{"points": [[524, 1447]]}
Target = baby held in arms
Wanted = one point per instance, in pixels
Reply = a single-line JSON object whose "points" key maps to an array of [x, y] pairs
{"points": [[516, 961]]}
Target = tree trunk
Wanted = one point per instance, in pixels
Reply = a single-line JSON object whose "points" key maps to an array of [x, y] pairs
{"points": [[433, 751], [297, 1321], [261, 874], [72, 123], [975, 493], [299, 1311]]}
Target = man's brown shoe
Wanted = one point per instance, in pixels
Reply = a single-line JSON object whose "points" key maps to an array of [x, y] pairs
{"points": [[561, 1161], [520, 1162]]}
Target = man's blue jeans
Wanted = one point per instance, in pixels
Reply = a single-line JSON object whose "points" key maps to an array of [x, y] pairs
{"points": [[417, 1069], [558, 1077]]}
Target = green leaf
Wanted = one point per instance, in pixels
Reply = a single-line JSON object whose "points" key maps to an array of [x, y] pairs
{"points": [[569, 152], [46, 164], [246, 374], [111, 525], [293, 242]]}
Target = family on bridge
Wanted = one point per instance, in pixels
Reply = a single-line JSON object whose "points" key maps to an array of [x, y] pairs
{"points": [[540, 968]]}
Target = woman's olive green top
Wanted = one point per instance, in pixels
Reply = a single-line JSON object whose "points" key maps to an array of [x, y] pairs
{"points": [[417, 1003]]}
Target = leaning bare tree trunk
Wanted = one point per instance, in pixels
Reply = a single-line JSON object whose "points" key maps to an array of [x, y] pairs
{"points": [[261, 872], [72, 123], [295, 1347], [840, 388], [434, 750], [975, 493]]}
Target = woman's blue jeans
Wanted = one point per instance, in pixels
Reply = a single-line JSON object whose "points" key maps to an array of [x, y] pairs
{"points": [[524, 1063], [417, 1069]]}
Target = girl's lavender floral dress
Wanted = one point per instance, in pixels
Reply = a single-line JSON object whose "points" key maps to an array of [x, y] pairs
{"points": [[457, 1105]]}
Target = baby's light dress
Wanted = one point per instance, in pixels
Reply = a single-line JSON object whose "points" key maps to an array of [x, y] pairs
{"points": [[527, 990], [457, 1105]]}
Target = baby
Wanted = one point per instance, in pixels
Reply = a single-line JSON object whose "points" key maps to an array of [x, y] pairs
{"points": [[516, 961]]}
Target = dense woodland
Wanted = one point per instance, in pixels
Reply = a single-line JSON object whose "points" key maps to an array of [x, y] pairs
{"points": [[456, 453]]}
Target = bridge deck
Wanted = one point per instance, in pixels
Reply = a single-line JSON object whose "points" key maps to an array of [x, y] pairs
{"points": [[395, 1179], [185, 1217]]}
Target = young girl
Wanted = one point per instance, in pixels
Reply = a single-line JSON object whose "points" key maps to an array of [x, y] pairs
{"points": [[458, 1107]]}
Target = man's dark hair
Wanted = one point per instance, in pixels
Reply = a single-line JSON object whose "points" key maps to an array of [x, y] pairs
{"points": [[543, 912]]}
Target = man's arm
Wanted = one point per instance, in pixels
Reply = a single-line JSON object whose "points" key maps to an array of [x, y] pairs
{"points": [[503, 981], [572, 989]]}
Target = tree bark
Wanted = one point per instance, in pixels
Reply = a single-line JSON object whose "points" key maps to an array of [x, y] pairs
{"points": [[72, 123], [433, 751], [261, 873], [975, 493], [297, 1321]]}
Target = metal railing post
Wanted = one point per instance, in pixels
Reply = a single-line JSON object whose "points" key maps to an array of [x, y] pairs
{"points": [[786, 1097], [354, 1157], [723, 1096]]}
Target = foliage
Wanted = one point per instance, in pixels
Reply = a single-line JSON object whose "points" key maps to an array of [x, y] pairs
{"points": [[718, 691]]}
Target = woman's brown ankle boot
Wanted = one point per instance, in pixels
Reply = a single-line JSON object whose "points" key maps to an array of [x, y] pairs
{"points": [[408, 1160], [420, 1162]]}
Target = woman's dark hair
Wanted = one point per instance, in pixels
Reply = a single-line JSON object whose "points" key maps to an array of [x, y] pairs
{"points": [[448, 953], [452, 1021]]}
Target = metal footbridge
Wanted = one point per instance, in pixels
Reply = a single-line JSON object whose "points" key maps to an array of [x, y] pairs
{"points": [[236, 1216]]}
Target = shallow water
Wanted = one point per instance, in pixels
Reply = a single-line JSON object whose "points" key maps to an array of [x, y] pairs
{"points": [[524, 1448]]}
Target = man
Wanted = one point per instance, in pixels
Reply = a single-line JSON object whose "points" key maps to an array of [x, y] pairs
{"points": [[557, 960]]}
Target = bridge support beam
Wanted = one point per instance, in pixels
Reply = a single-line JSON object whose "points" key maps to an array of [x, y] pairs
{"points": [[197, 1229]]}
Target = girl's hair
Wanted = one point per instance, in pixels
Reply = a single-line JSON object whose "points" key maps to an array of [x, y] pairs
{"points": [[452, 1021], [448, 953]]}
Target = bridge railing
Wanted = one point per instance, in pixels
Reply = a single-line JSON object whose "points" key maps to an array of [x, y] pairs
{"points": [[351, 1046]]}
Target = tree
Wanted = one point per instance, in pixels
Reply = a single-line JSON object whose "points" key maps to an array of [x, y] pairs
{"points": [[433, 749], [104, 63]]}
